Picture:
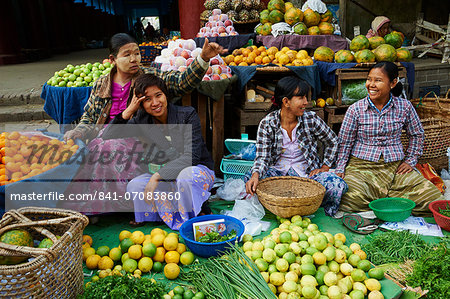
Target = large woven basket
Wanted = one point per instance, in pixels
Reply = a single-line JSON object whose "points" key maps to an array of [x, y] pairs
{"points": [[433, 106], [55, 272], [287, 196], [437, 141]]}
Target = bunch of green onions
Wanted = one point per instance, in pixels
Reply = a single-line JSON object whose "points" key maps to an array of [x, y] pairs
{"points": [[234, 275]]}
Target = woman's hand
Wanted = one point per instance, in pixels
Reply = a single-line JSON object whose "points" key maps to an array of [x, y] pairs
{"points": [[324, 168], [251, 185], [133, 107], [151, 187], [340, 174], [72, 134], [210, 50], [404, 168]]}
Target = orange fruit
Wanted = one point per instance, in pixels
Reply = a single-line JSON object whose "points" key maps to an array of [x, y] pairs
{"points": [[262, 49], [266, 60], [243, 64], [258, 59], [159, 255], [246, 52]]}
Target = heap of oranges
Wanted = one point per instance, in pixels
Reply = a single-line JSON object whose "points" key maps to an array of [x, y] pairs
{"points": [[163, 43], [260, 56], [23, 157]]}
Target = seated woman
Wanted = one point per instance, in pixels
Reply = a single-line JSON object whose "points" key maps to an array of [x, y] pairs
{"points": [[371, 154], [110, 95], [380, 27], [287, 144], [186, 173]]}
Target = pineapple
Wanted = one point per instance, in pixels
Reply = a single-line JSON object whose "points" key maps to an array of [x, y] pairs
{"points": [[224, 5], [236, 5], [261, 6], [255, 4], [211, 4], [247, 4], [232, 15], [254, 14], [206, 14], [244, 15]]}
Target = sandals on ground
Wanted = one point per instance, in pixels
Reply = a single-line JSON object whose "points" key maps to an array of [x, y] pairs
{"points": [[360, 225]]}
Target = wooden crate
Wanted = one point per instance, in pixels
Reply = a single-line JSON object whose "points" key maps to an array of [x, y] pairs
{"points": [[335, 115], [356, 73]]}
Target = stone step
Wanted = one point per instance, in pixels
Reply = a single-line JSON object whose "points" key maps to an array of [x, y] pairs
{"points": [[23, 113], [18, 99], [49, 125]]}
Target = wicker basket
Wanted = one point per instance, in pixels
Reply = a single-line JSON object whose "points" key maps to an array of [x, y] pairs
{"points": [[437, 140], [273, 69], [287, 196], [55, 272], [435, 107]]}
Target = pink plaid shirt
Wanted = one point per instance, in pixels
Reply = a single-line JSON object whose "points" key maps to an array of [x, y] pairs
{"points": [[367, 133]]}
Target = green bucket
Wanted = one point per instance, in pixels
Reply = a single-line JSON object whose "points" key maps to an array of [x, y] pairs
{"points": [[392, 209]]}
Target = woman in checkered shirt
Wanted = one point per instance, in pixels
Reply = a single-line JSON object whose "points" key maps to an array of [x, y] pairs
{"points": [[287, 144], [371, 156]]}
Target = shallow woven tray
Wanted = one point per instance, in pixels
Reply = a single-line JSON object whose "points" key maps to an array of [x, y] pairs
{"points": [[273, 69], [287, 196]]}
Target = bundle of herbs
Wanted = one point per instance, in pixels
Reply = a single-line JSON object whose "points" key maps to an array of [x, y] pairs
{"points": [[395, 247], [124, 287], [234, 275], [214, 237], [432, 272]]}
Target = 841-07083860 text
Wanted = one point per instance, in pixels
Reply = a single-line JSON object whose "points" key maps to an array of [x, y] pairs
{"points": [[97, 195]]}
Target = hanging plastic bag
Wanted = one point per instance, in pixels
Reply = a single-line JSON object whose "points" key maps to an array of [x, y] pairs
{"points": [[315, 5], [233, 189]]}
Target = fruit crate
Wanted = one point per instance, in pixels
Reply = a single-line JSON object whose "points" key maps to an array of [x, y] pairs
{"points": [[232, 168], [149, 53]]}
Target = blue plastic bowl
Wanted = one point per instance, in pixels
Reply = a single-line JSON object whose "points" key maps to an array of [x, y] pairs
{"points": [[210, 249]]}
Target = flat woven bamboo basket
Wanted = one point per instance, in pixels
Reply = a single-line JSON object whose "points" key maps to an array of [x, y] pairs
{"points": [[55, 272], [287, 196], [437, 140], [273, 69], [433, 106]]}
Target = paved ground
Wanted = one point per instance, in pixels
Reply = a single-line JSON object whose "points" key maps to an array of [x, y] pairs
{"points": [[20, 79]]}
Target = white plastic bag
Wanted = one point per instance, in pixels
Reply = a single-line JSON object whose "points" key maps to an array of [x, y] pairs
{"points": [[233, 189], [281, 28], [315, 5], [250, 212], [249, 208]]}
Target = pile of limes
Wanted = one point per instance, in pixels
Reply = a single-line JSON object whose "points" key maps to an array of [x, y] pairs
{"points": [[79, 75], [181, 293], [139, 253], [297, 260]]}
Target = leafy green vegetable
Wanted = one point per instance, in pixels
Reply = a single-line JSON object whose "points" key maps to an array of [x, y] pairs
{"points": [[395, 247], [446, 211], [231, 276], [214, 237], [123, 287], [431, 272], [353, 91]]}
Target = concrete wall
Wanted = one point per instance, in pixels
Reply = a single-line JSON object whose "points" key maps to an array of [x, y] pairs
{"points": [[404, 11], [428, 75]]}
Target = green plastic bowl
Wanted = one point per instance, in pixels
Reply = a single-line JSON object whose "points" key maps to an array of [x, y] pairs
{"points": [[392, 209]]}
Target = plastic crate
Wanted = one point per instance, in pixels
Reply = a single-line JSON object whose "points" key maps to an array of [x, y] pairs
{"points": [[236, 169], [149, 53]]}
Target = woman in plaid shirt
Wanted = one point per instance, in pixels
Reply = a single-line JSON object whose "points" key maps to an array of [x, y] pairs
{"points": [[371, 156], [111, 94], [287, 144]]}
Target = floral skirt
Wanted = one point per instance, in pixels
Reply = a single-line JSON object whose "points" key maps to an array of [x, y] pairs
{"points": [[176, 202]]}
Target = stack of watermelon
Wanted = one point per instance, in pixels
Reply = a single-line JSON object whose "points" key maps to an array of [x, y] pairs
{"points": [[363, 49], [308, 22]]}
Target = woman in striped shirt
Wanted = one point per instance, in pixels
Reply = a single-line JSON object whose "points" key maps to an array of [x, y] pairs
{"points": [[371, 157]]}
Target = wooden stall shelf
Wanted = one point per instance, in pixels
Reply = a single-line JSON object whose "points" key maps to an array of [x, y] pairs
{"points": [[211, 110], [335, 115]]}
